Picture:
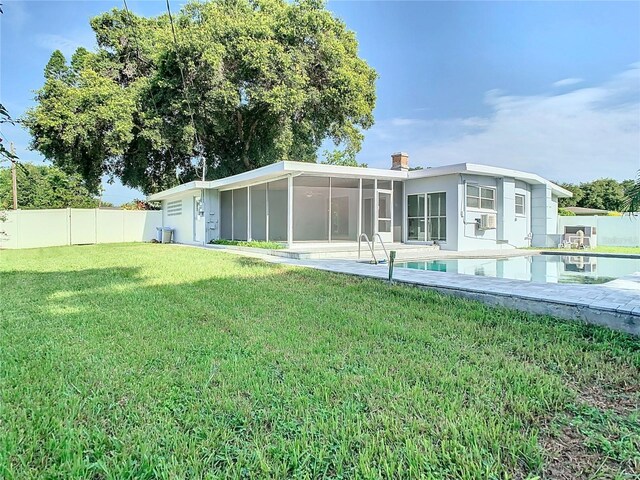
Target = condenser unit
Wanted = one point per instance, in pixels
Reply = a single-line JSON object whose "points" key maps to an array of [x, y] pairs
{"points": [[487, 221]]}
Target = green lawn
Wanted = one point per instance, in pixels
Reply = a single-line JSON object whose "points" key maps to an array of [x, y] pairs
{"points": [[635, 250], [627, 250], [147, 361]]}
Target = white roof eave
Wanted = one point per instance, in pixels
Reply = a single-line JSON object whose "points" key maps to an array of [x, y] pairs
{"points": [[487, 170], [277, 170], [177, 191]]}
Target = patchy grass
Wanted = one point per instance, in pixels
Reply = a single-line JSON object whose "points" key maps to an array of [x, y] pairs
{"points": [[146, 361], [623, 250], [633, 250], [253, 243]]}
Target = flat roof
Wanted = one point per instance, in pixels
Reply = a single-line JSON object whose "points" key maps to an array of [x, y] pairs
{"points": [[587, 211], [281, 169], [490, 171]]}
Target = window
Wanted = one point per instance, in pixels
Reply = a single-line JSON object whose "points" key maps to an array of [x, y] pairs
{"points": [[520, 205], [437, 216], [174, 208], [384, 212], [384, 184], [481, 197], [427, 217], [415, 218]]}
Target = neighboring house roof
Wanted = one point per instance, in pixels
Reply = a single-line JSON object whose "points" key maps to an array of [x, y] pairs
{"points": [[587, 211], [277, 170]]}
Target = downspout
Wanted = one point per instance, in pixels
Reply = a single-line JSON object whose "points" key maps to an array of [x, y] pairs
{"points": [[204, 215]]}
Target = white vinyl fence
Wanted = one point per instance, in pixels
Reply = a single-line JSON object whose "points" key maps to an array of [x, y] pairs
{"points": [[611, 231], [77, 226]]}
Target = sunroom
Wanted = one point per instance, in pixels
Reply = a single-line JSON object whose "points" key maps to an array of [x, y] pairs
{"points": [[334, 205]]}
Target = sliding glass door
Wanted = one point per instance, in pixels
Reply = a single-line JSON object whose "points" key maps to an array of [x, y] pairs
{"points": [[427, 217], [437, 217]]}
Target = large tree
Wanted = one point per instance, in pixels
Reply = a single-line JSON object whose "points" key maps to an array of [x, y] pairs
{"points": [[43, 186], [604, 193], [243, 83]]}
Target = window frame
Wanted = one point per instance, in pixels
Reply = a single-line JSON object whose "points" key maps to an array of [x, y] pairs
{"points": [[425, 217], [439, 218], [422, 217], [524, 204], [479, 197]]}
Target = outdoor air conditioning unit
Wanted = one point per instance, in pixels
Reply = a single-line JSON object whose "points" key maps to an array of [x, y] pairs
{"points": [[487, 221]]}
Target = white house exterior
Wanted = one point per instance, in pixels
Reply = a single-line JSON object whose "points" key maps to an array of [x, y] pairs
{"points": [[459, 207]]}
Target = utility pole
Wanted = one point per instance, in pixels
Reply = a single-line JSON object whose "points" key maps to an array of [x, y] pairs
{"points": [[14, 178]]}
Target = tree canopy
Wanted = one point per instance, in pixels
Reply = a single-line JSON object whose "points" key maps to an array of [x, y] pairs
{"points": [[44, 186], [243, 83], [604, 194]]}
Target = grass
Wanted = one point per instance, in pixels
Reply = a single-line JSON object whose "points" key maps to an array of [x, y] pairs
{"points": [[624, 250], [634, 250], [253, 243], [156, 361]]}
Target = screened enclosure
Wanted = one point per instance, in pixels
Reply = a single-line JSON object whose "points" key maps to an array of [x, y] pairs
{"points": [[258, 212], [323, 208]]}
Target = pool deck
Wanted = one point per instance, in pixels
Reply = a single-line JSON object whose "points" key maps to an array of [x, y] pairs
{"points": [[614, 304]]}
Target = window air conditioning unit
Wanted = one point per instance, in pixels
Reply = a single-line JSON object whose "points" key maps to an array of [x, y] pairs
{"points": [[487, 221]]}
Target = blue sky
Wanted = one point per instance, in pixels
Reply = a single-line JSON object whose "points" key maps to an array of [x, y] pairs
{"points": [[552, 88]]}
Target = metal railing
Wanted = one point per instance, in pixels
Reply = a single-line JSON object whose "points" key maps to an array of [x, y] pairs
{"points": [[381, 243], [366, 239], [371, 244]]}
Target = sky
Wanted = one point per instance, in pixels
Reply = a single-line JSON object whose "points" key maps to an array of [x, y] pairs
{"points": [[547, 87]]}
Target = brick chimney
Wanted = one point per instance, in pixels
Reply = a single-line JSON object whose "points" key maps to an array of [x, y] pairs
{"points": [[400, 161]]}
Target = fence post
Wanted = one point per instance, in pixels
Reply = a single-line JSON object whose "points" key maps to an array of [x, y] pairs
{"points": [[68, 226]]}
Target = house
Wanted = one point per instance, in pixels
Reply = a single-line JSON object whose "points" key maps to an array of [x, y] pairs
{"points": [[582, 211], [458, 207]]}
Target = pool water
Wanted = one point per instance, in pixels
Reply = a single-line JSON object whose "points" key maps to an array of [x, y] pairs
{"points": [[536, 268]]}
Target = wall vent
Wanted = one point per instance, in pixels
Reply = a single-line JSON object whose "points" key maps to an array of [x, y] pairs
{"points": [[174, 208]]}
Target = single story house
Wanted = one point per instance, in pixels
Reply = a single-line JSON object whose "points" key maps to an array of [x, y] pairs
{"points": [[587, 212], [464, 206]]}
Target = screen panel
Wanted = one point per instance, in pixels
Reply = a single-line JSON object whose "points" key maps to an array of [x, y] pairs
{"points": [[240, 202], [310, 209], [226, 214], [259, 212], [345, 193], [277, 200]]}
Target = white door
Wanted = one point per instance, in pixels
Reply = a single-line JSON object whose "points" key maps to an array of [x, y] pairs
{"points": [[198, 219], [385, 212]]}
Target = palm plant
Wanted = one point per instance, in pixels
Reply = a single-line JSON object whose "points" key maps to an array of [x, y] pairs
{"points": [[632, 197]]}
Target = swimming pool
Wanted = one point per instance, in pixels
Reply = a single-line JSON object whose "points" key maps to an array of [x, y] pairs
{"points": [[535, 268]]}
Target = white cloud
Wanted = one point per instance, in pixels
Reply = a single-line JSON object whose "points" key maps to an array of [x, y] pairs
{"points": [[575, 136], [67, 45], [567, 81], [405, 122]]}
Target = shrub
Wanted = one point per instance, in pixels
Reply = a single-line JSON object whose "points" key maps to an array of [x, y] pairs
{"points": [[253, 244], [563, 212]]}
